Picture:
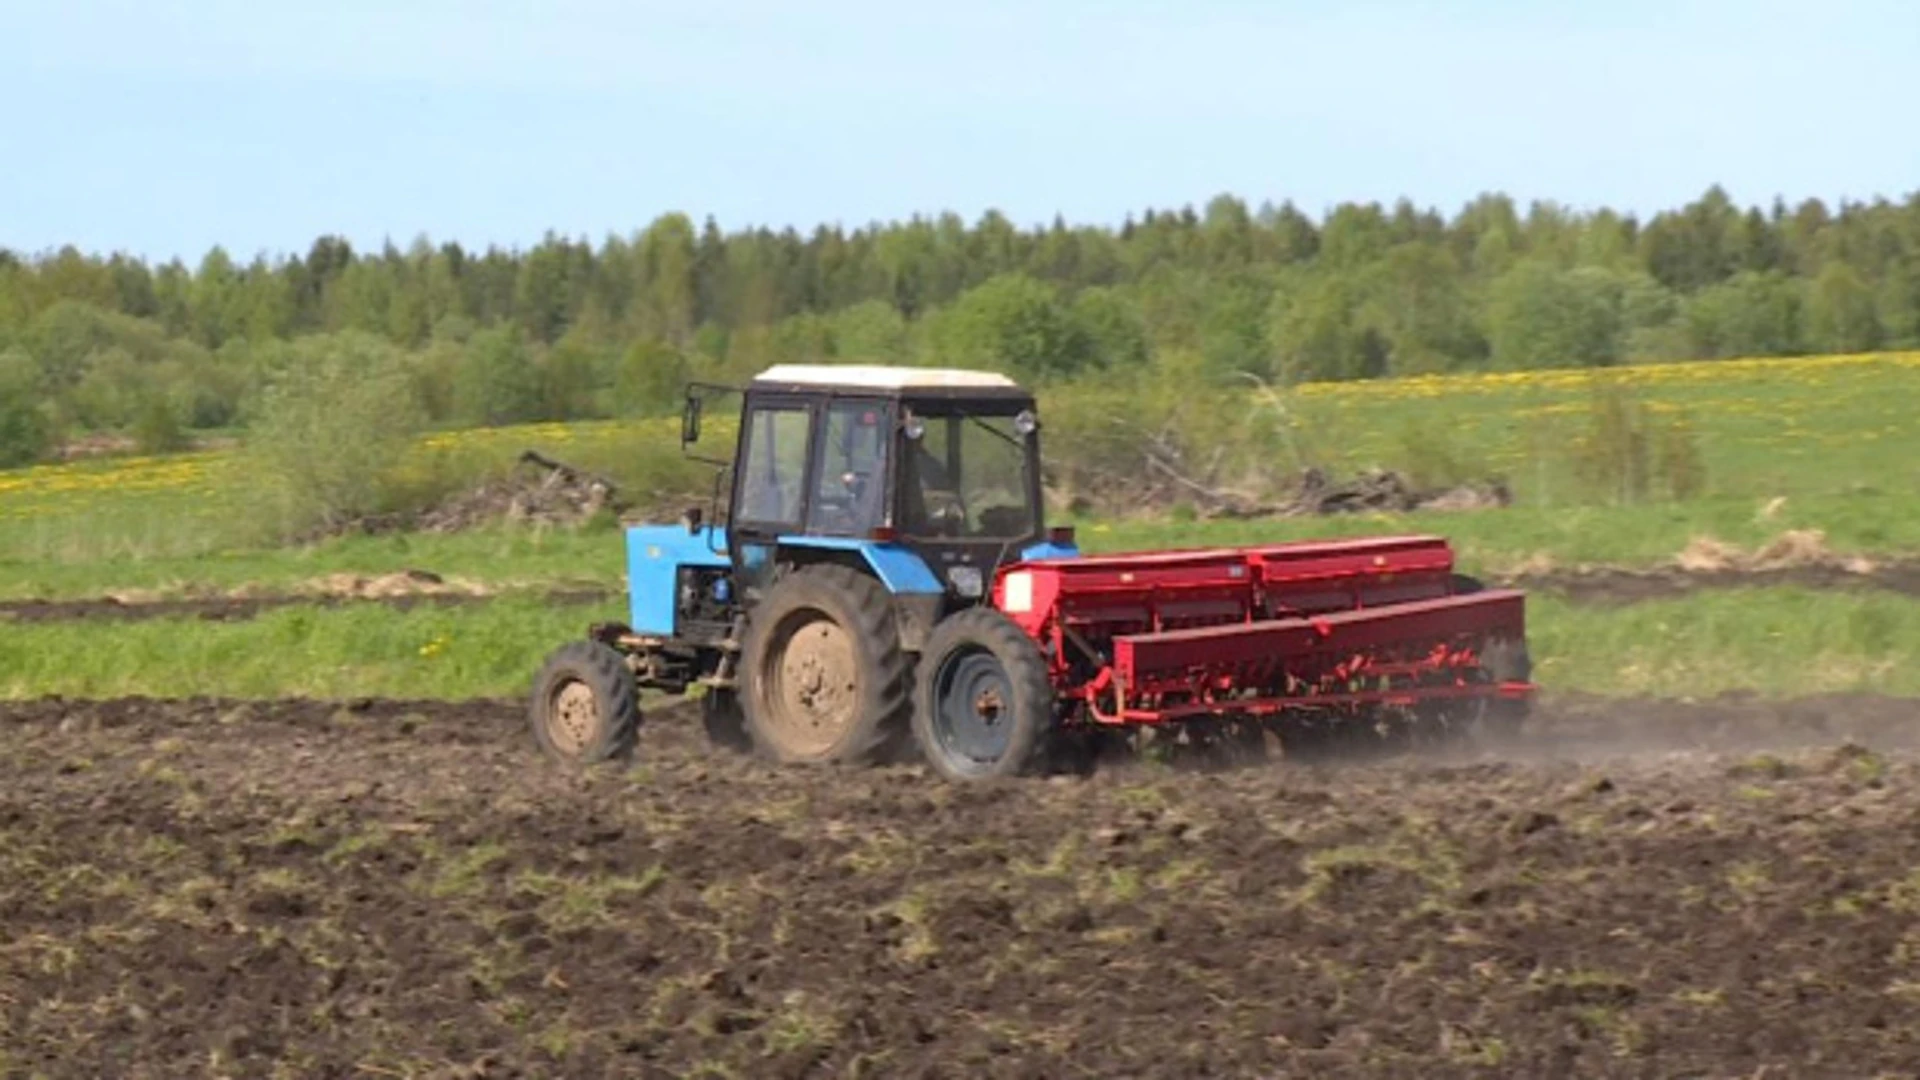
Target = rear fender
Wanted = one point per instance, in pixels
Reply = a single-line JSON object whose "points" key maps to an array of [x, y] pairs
{"points": [[898, 568], [918, 597]]}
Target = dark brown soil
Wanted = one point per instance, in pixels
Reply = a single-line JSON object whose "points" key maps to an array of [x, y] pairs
{"points": [[1605, 585], [234, 609], [1613, 585], [379, 889]]}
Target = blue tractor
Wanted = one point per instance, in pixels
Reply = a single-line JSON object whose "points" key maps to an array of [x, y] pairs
{"points": [[866, 507], [885, 581]]}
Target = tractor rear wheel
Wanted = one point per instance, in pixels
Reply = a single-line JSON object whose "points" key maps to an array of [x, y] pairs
{"points": [[983, 704], [585, 707], [825, 677]]}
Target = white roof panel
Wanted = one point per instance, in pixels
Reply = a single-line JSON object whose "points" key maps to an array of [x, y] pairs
{"points": [[882, 377]]}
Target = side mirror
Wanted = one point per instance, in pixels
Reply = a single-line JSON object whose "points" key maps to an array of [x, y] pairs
{"points": [[690, 421]]}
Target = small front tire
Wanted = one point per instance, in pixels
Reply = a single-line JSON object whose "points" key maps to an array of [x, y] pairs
{"points": [[585, 707], [983, 703]]}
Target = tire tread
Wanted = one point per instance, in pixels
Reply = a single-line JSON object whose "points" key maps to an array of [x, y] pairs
{"points": [[603, 669], [1027, 675], [886, 668]]}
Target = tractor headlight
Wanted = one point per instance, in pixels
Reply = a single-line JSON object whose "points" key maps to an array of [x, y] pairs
{"points": [[965, 580], [1025, 422]]}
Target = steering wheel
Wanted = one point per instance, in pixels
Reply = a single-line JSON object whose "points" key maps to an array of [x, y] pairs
{"points": [[946, 512]]}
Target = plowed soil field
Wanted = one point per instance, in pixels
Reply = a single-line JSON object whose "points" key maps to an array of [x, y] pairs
{"points": [[372, 889]]}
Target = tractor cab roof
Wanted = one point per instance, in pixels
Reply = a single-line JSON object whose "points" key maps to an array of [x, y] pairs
{"points": [[888, 380]]}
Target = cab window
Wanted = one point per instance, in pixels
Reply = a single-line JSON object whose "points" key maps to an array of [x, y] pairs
{"points": [[849, 491], [966, 477], [775, 464]]}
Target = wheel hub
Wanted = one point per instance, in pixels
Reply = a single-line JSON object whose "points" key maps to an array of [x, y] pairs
{"points": [[817, 685], [987, 705], [971, 698], [575, 718]]}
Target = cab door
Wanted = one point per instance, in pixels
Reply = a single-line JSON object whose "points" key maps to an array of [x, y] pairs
{"points": [[771, 480]]}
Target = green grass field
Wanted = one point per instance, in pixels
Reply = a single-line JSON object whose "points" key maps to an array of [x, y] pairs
{"points": [[1831, 436], [1818, 443], [1775, 641]]}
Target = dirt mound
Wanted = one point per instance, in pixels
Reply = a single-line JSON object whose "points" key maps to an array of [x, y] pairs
{"points": [[537, 490], [403, 888], [1614, 585], [540, 490], [1792, 549], [1373, 491], [376, 586], [1797, 557], [1386, 490]]}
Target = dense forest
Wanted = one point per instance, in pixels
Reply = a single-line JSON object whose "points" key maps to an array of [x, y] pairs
{"points": [[571, 329]]}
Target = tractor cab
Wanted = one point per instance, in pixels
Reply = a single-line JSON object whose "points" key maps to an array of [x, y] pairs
{"points": [[938, 464]]}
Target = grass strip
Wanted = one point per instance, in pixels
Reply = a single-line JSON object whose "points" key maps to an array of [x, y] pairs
{"points": [[1776, 641], [351, 651], [1487, 542]]}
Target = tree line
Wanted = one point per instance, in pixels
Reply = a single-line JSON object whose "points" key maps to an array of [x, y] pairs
{"points": [[571, 328]]}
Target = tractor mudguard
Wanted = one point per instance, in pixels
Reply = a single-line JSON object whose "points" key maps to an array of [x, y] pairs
{"points": [[900, 570], [1049, 549], [918, 595], [656, 553]]}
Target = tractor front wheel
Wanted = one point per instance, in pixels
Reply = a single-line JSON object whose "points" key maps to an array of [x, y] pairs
{"points": [[825, 678], [585, 707], [984, 704]]}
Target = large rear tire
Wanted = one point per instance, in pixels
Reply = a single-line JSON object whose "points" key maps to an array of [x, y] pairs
{"points": [[585, 708], [983, 704], [825, 677]]}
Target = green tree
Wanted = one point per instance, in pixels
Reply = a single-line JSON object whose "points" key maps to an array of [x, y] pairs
{"points": [[871, 331], [1750, 314], [1012, 323], [26, 431], [1116, 334], [1841, 313], [570, 375], [332, 432], [1315, 332], [65, 338], [1540, 315], [212, 296], [1414, 297], [1697, 246], [542, 291], [110, 392], [665, 307], [1233, 324], [498, 382], [650, 379], [1899, 302]]}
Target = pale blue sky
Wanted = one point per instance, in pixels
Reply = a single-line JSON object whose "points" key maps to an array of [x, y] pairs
{"points": [[166, 126]]}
